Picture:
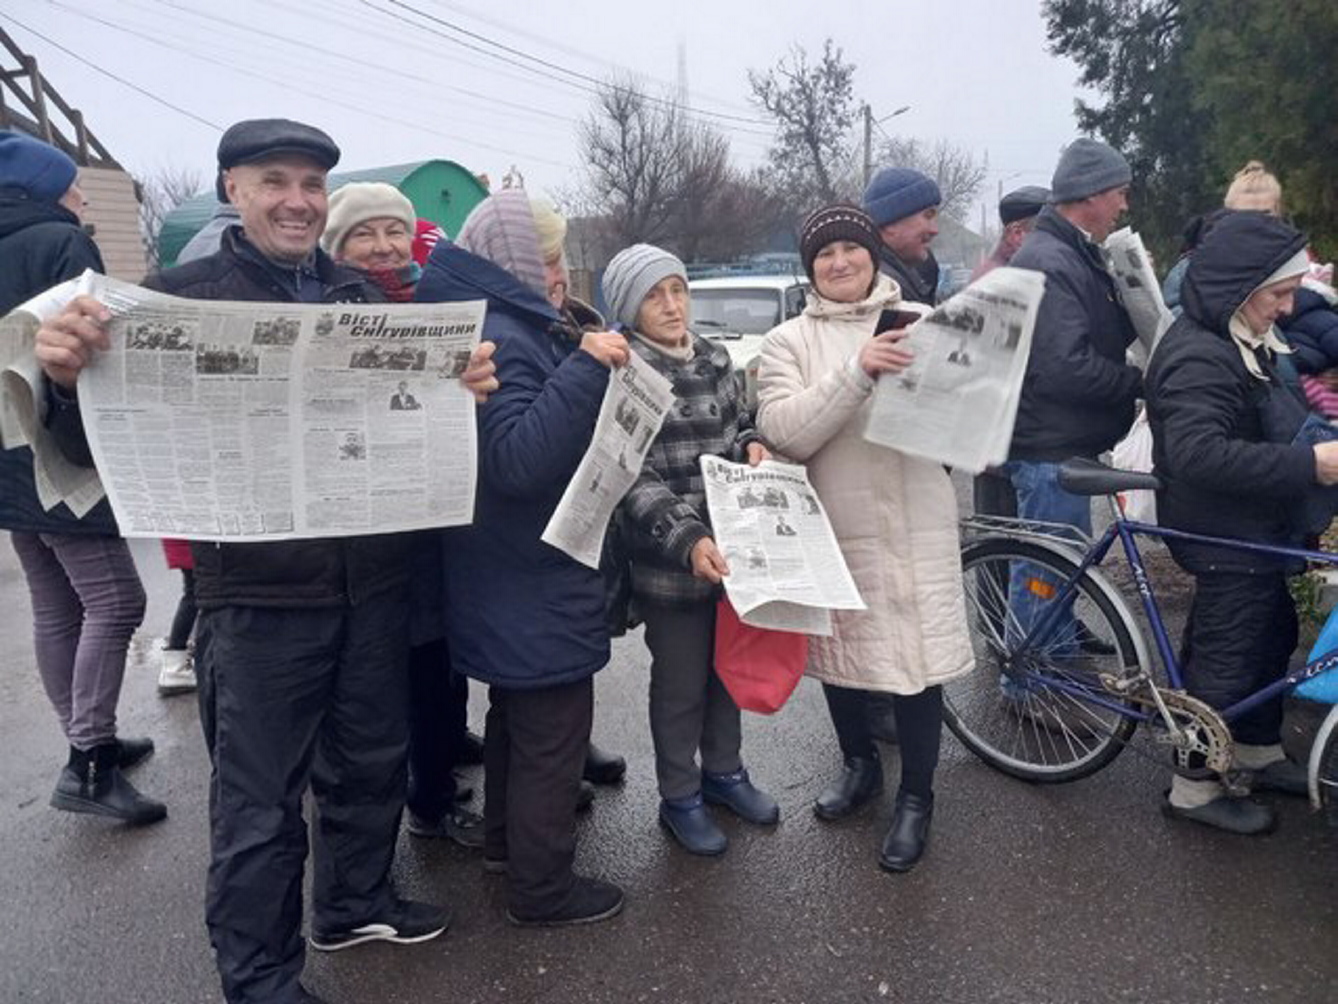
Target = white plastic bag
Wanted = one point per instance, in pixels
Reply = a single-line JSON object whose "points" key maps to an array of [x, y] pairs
{"points": [[1134, 453]]}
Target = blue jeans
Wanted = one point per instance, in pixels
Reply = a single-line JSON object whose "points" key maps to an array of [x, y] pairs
{"points": [[1030, 588]]}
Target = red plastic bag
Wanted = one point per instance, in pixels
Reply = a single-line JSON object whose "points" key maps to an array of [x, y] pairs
{"points": [[760, 668]]}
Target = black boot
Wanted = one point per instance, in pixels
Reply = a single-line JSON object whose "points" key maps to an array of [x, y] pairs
{"points": [[132, 752], [860, 780], [909, 833], [602, 767], [92, 782]]}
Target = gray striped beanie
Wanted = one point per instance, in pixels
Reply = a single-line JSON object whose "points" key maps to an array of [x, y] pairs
{"points": [[501, 228], [632, 274]]}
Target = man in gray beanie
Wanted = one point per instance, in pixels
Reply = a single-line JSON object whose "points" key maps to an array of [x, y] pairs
{"points": [[903, 203], [1078, 393]]}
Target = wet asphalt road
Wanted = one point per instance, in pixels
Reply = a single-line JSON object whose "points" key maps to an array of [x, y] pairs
{"points": [[1081, 893]]}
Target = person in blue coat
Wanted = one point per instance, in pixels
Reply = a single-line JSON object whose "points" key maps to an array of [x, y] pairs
{"points": [[523, 617]]}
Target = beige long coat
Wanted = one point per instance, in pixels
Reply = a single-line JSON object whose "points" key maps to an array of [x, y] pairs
{"points": [[894, 515]]}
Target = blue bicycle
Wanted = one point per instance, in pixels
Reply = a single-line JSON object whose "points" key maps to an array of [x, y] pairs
{"points": [[1064, 674]]}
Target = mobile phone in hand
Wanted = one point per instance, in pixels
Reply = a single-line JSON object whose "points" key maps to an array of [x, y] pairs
{"points": [[890, 319]]}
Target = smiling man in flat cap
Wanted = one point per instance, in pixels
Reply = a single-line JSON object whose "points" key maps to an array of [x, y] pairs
{"points": [[301, 645]]}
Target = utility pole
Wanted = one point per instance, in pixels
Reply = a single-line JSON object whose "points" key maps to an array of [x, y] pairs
{"points": [[869, 123], [868, 143]]}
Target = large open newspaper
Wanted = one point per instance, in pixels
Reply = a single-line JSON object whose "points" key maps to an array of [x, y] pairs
{"points": [[635, 404], [1130, 266], [23, 404], [957, 401], [232, 421], [786, 571]]}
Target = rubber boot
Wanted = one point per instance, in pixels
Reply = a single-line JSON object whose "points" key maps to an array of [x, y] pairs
{"points": [[92, 782]]}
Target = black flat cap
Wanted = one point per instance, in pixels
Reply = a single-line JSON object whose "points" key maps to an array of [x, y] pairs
{"points": [[1023, 203], [255, 139]]}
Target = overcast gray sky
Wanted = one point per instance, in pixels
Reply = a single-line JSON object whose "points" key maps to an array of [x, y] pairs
{"points": [[391, 84]]}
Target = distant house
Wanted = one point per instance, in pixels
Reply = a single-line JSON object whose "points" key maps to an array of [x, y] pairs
{"points": [[441, 191], [29, 104]]}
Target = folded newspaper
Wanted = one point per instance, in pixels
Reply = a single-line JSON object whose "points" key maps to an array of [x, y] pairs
{"points": [[234, 421], [635, 404], [786, 570], [1130, 266], [957, 401], [23, 403]]}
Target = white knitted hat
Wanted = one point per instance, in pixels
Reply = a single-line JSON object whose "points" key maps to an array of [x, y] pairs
{"points": [[359, 201]]}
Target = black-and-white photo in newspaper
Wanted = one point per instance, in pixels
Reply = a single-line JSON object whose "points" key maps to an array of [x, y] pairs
{"points": [[786, 570], [631, 414], [957, 401]]}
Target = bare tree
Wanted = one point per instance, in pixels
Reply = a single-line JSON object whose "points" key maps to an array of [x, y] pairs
{"points": [[160, 193], [958, 173], [655, 174], [632, 150], [812, 158]]}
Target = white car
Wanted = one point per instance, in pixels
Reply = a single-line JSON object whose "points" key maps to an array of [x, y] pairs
{"points": [[737, 311]]}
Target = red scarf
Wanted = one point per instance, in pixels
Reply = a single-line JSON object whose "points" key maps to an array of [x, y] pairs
{"points": [[397, 283]]}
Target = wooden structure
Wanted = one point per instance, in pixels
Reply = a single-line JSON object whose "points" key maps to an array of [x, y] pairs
{"points": [[29, 104]]}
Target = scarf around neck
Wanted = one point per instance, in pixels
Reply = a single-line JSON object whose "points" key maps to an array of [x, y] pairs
{"points": [[397, 283]]}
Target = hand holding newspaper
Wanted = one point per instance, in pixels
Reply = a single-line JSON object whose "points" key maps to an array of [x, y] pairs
{"points": [[23, 401], [231, 421], [786, 570], [956, 403], [629, 419]]}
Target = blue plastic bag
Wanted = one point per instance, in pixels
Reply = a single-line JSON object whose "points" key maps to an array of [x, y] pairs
{"points": [[1324, 687]]}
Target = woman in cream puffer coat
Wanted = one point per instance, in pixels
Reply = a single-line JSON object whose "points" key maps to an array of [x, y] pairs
{"points": [[894, 515]]}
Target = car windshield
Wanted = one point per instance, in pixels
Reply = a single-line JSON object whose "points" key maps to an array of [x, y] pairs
{"points": [[742, 311]]}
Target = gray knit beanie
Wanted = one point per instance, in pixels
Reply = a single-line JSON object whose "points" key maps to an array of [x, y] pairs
{"points": [[1088, 167], [632, 274]]}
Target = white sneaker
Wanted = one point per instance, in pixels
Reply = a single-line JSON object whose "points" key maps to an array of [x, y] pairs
{"points": [[176, 673]]}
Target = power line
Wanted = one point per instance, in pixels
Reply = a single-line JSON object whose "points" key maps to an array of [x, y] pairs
{"points": [[400, 73], [107, 73], [594, 82], [553, 43], [379, 115]]}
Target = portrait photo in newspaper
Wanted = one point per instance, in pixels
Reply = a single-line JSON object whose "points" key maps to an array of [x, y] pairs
{"points": [[786, 569]]}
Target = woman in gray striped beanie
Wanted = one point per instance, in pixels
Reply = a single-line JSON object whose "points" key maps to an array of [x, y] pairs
{"points": [[676, 566]]}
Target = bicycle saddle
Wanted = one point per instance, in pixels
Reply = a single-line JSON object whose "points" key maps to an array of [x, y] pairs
{"points": [[1091, 477]]}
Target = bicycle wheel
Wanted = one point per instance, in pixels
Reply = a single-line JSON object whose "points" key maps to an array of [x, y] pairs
{"points": [[1028, 711], [1324, 764]]}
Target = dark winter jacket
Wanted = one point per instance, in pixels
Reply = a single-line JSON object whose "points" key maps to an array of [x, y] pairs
{"points": [[42, 245], [295, 573], [665, 511], [1078, 393], [918, 282], [1312, 332], [522, 613], [1222, 436]]}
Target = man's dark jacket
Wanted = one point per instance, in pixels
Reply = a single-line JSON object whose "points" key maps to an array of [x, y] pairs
{"points": [[918, 283], [42, 245], [296, 573], [1078, 393], [1227, 470]]}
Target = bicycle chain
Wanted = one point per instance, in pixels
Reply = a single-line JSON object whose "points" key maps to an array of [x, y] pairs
{"points": [[1202, 731]]}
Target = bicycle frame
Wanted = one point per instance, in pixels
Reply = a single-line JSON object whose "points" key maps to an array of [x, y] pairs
{"points": [[1125, 531]]}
